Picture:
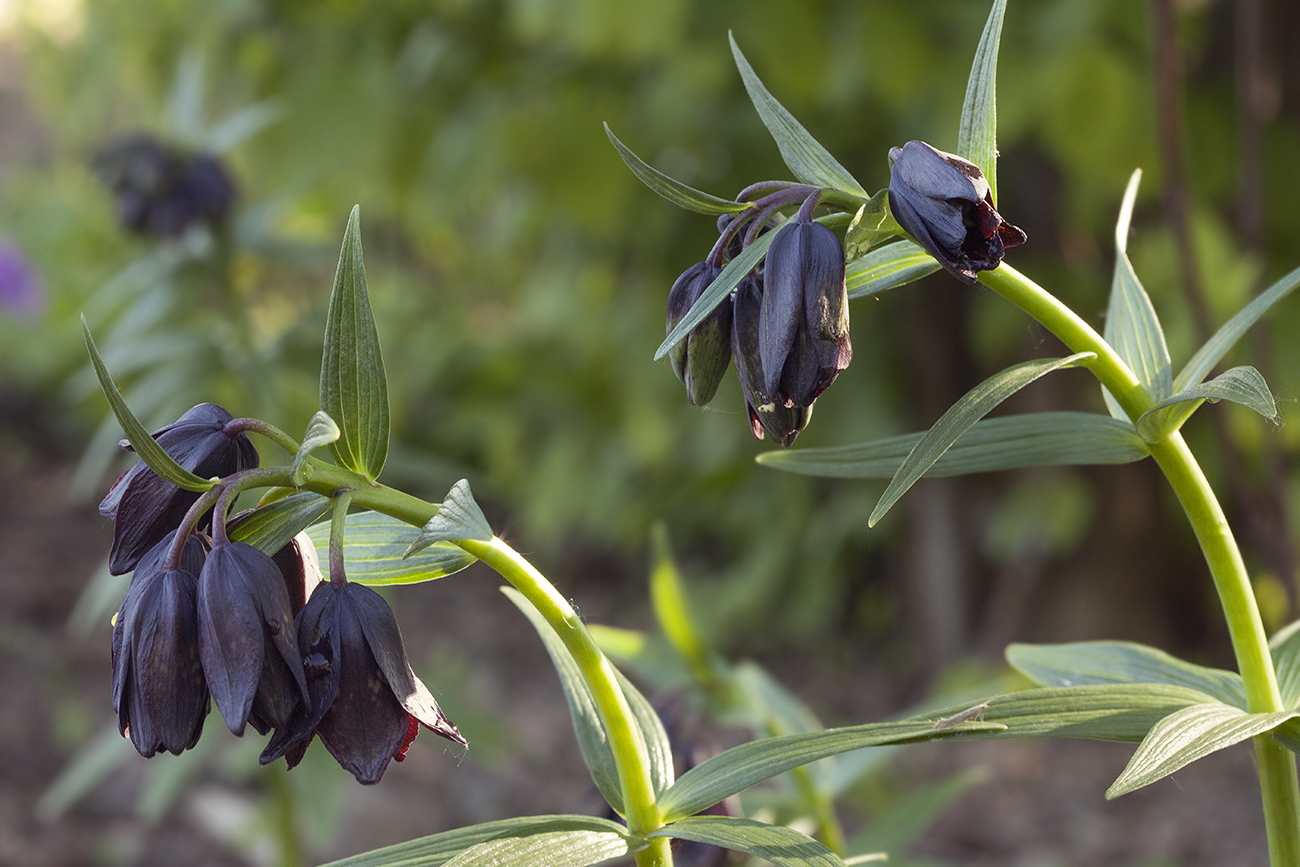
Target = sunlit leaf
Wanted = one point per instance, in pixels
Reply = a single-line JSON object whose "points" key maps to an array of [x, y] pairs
{"points": [[1243, 385], [960, 418], [977, 135], [888, 267], [780, 845], [871, 225], [563, 846], [269, 528], [672, 609], [374, 546], [807, 159], [673, 190], [459, 517], [1285, 645], [321, 430]]}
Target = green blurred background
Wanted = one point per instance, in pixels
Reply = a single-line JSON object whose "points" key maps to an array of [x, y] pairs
{"points": [[519, 273]]}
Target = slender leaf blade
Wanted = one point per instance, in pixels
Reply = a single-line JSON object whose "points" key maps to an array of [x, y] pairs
{"points": [[1190, 734], [992, 444], [673, 190], [1285, 646], [321, 430], [1217, 346], [459, 517], [1243, 385], [1095, 662], [353, 385], [142, 442], [804, 155], [562, 847], [269, 528], [374, 547], [960, 418], [778, 844], [977, 135], [888, 267]]}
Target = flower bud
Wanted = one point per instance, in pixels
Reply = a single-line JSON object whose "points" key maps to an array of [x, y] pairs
{"points": [[782, 422], [945, 203], [700, 358]]}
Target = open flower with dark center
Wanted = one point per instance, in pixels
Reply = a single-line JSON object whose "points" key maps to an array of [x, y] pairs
{"points": [[159, 692], [946, 204], [700, 358], [782, 422], [246, 639], [366, 703], [145, 507]]}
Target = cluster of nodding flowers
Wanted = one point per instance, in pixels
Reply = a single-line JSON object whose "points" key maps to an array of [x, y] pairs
{"points": [[208, 620]]}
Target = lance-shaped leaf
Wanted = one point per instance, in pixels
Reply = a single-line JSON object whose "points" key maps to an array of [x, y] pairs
{"points": [[673, 190], [142, 442], [778, 844], [321, 430], [437, 849], [1091, 662], [560, 846], [269, 528], [888, 267], [992, 444], [1132, 326], [1243, 385], [1190, 734], [961, 417], [672, 609], [871, 226], [807, 159], [1285, 647], [977, 136], [592, 737], [719, 289], [1217, 346], [374, 551], [459, 517], [353, 385]]}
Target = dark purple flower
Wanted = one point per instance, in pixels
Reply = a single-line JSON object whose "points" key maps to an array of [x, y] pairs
{"points": [[782, 422], [247, 641], [804, 321], [159, 190], [145, 507], [366, 703], [159, 693], [20, 288], [946, 204], [699, 359]]}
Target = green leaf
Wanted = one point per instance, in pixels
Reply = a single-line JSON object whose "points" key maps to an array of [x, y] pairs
{"points": [[1285, 645], [807, 159], [1094, 662], [459, 517], [1111, 712], [1026, 440], [782, 846], [1190, 734], [721, 286], [269, 528], [888, 267], [1132, 326], [593, 740], [1217, 346], [374, 546], [321, 430], [960, 418], [353, 386], [1243, 385], [977, 136], [562, 846], [672, 609], [437, 849], [140, 439], [871, 225], [673, 190]]}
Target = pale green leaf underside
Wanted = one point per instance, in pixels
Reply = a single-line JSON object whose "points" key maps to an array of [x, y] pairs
{"points": [[888, 267], [992, 444], [563, 847], [671, 189], [1243, 385], [870, 226], [730, 277], [459, 517], [807, 159], [1190, 734], [1093, 662], [977, 135], [960, 418], [373, 548], [1217, 346], [437, 849], [272, 526], [778, 844], [321, 431], [1285, 645], [142, 442]]}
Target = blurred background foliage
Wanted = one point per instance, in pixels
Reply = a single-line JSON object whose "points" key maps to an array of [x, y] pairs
{"points": [[519, 274]]}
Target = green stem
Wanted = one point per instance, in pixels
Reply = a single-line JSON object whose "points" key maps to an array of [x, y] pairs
{"points": [[1279, 786]]}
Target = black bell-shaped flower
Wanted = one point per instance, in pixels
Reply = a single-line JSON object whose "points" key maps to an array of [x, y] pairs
{"points": [[145, 507], [804, 320], [159, 692], [247, 641], [159, 190], [946, 204], [780, 421], [366, 703], [699, 359]]}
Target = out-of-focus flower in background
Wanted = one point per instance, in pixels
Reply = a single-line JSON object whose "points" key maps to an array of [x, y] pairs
{"points": [[21, 292]]}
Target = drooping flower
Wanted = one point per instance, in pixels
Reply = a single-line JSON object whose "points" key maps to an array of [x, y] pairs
{"points": [[159, 692], [781, 421], [159, 190], [946, 204], [366, 702], [145, 507], [700, 358]]}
